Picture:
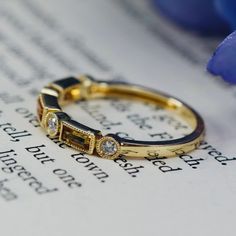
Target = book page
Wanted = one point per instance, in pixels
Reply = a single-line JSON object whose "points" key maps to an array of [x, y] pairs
{"points": [[47, 188]]}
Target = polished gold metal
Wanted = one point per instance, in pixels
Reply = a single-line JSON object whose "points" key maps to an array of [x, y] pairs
{"points": [[91, 141]]}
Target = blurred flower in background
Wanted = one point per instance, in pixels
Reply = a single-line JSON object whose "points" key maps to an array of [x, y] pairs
{"points": [[208, 17]]}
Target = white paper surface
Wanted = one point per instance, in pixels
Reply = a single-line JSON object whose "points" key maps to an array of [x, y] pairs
{"points": [[75, 194]]}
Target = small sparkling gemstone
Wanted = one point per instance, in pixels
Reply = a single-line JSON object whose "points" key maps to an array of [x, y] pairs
{"points": [[109, 147], [52, 124]]}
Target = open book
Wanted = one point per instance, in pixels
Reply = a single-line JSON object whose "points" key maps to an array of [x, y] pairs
{"points": [[47, 188]]}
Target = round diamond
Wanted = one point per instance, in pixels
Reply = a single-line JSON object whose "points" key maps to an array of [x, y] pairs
{"points": [[109, 147], [52, 124]]}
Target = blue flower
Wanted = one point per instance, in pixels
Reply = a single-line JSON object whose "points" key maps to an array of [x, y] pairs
{"points": [[223, 62], [203, 16], [208, 17], [227, 9]]}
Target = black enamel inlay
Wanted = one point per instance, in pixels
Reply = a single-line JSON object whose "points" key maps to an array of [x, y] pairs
{"points": [[50, 101], [67, 82]]}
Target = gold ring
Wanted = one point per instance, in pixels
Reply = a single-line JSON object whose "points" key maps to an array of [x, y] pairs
{"points": [[85, 139]]}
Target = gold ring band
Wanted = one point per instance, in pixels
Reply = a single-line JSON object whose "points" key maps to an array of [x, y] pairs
{"points": [[85, 139]]}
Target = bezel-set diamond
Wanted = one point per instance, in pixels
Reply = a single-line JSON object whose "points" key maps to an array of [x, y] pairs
{"points": [[107, 147], [52, 124]]}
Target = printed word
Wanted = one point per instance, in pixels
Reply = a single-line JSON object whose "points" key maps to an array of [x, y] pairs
{"points": [[31, 117], [66, 178], [90, 166], [128, 167], [160, 163], [39, 155], [139, 121], [10, 99], [5, 192], [14, 133], [8, 158], [94, 112], [191, 161], [222, 159]]}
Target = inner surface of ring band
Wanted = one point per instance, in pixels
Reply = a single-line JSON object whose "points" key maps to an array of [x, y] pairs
{"points": [[104, 89], [71, 89], [139, 93]]}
